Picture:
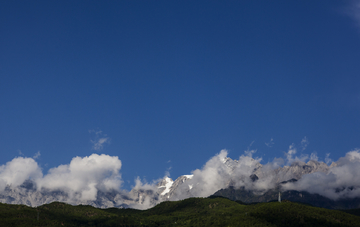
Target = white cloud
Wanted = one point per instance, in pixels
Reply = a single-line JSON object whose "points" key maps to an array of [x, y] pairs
{"points": [[81, 179], [15, 172], [342, 180], [205, 181], [244, 168], [144, 200], [290, 156], [217, 173], [85, 176], [249, 153]]}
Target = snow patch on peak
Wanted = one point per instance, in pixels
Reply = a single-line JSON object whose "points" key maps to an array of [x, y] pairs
{"points": [[168, 183], [189, 176]]}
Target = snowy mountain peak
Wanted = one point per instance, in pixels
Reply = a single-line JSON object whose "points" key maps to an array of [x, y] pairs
{"points": [[165, 184], [246, 173]]}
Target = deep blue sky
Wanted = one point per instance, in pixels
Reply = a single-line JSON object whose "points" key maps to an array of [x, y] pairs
{"points": [[171, 83]]}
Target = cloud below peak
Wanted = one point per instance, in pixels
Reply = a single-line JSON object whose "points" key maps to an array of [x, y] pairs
{"points": [[85, 176], [16, 171], [81, 178]]}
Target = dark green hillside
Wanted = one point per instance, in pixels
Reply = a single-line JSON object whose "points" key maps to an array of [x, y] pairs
{"points": [[54, 214], [353, 211], [214, 211]]}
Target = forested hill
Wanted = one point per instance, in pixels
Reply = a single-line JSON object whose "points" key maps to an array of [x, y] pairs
{"points": [[214, 211]]}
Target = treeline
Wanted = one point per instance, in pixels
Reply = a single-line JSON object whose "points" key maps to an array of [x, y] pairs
{"points": [[214, 211]]}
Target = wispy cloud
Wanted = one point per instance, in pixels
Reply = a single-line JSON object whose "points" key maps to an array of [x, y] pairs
{"points": [[271, 143], [249, 152], [291, 155], [314, 156], [353, 10], [100, 140], [304, 143], [20, 153], [328, 160], [37, 155]]}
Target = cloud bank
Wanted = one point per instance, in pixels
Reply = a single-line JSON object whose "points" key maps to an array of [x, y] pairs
{"points": [[15, 172], [341, 181], [84, 177]]}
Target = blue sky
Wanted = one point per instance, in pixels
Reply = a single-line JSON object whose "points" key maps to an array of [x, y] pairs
{"points": [[165, 85]]}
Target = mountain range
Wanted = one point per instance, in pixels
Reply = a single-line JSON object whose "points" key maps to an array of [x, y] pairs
{"points": [[244, 179]]}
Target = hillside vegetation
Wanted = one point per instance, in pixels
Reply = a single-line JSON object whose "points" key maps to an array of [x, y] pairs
{"points": [[214, 211]]}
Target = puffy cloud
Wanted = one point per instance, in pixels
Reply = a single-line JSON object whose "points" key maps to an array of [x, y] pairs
{"points": [[221, 171], [84, 176], [80, 180], [244, 168], [15, 172], [341, 180], [218, 173], [205, 181], [213, 176]]}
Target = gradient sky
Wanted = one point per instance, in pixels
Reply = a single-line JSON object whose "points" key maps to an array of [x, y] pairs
{"points": [[165, 85]]}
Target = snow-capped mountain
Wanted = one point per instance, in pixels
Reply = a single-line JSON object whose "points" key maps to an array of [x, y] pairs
{"points": [[170, 189], [169, 186], [220, 172], [27, 194], [297, 169]]}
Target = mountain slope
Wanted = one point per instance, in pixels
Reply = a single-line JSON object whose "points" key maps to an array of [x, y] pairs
{"points": [[259, 183], [190, 212], [304, 197]]}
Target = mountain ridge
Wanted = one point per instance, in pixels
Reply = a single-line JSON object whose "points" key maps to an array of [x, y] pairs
{"points": [[246, 175]]}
